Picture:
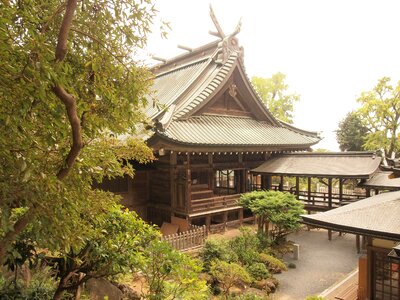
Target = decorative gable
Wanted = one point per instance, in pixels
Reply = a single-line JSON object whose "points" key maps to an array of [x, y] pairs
{"points": [[229, 102]]}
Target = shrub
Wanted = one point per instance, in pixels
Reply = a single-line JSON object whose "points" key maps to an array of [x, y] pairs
{"points": [[228, 274], [258, 271], [41, 287], [246, 246], [171, 274], [217, 249], [292, 266], [315, 298], [274, 264], [247, 297]]}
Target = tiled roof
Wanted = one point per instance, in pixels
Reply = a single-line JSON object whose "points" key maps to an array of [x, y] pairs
{"points": [[169, 86], [185, 85], [211, 82], [382, 179], [375, 216], [343, 164], [228, 130]]}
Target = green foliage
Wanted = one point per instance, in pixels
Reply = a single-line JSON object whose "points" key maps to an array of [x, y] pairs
{"points": [[275, 265], [229, 274], [41, 286], [217, 249], [351, 133], [380, 113], [278, 210], [258, 271], [107, 90], [247, 296], [273, 91], [315, 298], [246, 246], [171, 274]]}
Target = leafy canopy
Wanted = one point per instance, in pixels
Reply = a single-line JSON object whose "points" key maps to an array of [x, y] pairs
{"points": [[279, 209], [380, 113], [274, 92], [351, 133], [67, 79]]}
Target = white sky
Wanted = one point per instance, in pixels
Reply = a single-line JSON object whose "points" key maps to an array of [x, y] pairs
{"points": [[330, 50]]}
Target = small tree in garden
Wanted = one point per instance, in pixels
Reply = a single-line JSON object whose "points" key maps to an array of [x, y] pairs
{"points": [[170, 274], [278, 213], [228, 275]]}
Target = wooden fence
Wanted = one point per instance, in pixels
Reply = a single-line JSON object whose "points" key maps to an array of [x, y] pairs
{"points": [[192, 239]]}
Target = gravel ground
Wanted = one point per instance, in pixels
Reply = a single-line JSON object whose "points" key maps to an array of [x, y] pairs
{"points": [[321, 264]]}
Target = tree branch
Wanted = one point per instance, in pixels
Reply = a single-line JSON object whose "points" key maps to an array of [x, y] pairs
{"points": [[61, 49], [68, 99], [77, 142]]}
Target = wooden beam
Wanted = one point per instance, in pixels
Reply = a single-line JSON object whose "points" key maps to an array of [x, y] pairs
{"points": [[297, 187], [216, 23], [330, 193]]}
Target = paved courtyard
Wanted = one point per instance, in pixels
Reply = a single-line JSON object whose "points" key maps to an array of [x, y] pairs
{"points": [[321, 264]]}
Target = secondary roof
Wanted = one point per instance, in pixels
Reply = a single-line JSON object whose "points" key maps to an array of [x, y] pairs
{"points": [[377, 216], [320, 164]]}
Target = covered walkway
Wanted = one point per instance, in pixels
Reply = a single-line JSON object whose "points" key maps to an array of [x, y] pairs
{"points": [[332, 171]]}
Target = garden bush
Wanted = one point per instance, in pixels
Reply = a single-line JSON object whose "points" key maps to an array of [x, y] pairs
{"points": [[275, 265], [246, 246], [217, 249], [258, 271], [229, 275]]}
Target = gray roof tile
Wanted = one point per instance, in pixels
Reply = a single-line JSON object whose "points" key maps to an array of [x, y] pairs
{"points": [[229, 130]]}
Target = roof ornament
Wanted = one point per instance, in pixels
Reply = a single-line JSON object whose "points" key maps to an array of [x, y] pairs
{"points": [[219, 32], [229, 43]]}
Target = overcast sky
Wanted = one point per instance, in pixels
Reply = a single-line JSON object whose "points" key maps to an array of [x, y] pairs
{"points": [[330, 51]]}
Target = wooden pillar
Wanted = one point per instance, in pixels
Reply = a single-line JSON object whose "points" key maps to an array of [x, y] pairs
{"points": [[297, 187], [241, 216], [309, 189], [341, 181], [173, 180], [368, 192], [268, 182], [281, 184], [188, 184], [225, 219], [358, 243], [330, 234], [330, 193], [208, 223]]}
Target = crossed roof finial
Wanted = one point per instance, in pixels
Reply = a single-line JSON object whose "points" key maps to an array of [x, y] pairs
{"points": [[220, 33]]}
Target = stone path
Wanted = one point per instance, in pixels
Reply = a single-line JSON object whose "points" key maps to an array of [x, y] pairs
{"points": [[321, 264]]}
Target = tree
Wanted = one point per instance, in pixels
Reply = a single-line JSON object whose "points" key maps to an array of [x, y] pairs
{"points": [[273, 91], [351, 133], [67, 79], [380, 113], [278, 213], [171, 274]]}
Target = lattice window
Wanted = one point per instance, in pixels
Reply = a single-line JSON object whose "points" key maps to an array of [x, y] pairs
{"points": [[385, 276]]}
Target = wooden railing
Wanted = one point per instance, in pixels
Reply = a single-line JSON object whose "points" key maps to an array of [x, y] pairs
{"points": [[192, 239], [219, 202], [320, 201]]}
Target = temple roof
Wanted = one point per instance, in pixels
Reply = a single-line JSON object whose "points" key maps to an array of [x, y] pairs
{"points": [[204, 97], [231, 130], [320, 164], [382, 180], [377, 216]]}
